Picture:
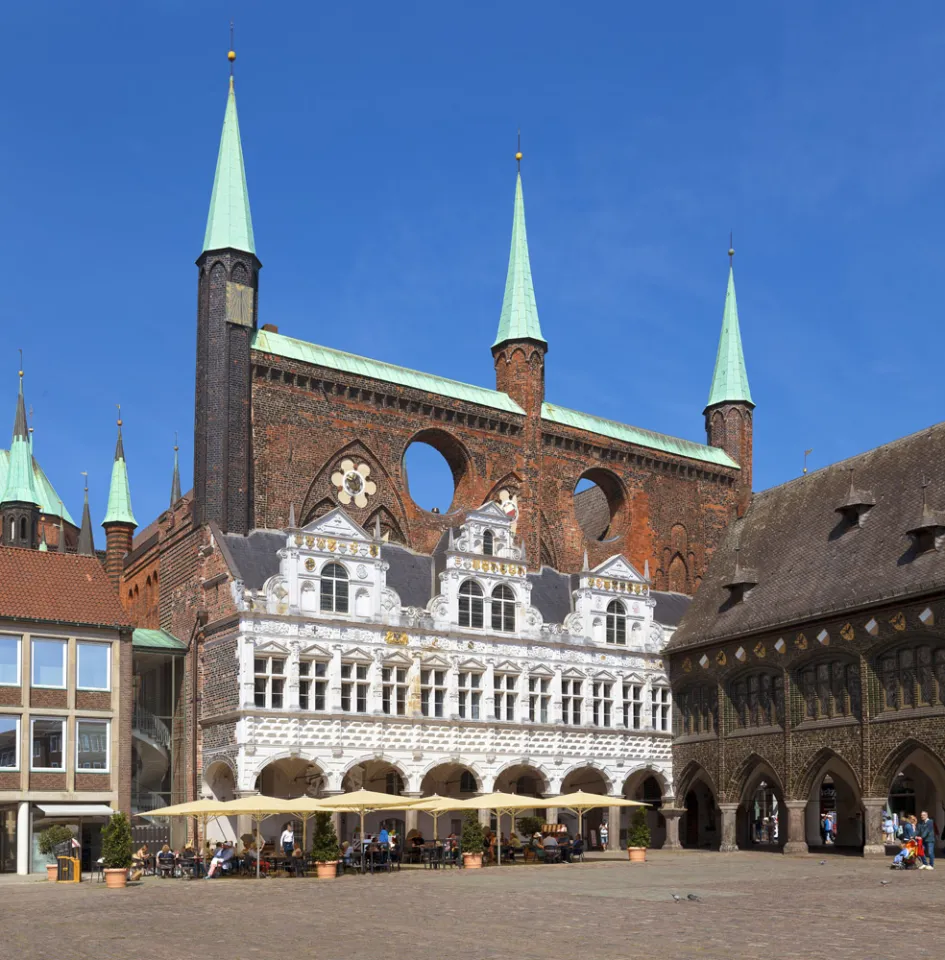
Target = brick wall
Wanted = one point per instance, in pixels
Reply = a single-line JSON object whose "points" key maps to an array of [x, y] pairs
{"points": [[57, 699], [93, 700], [11, 696], [10, 781], [48, 781], [101, 782]]}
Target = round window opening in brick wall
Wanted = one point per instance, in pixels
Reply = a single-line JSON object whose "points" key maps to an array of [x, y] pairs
{"points": [[435, 467], [600, 505]]}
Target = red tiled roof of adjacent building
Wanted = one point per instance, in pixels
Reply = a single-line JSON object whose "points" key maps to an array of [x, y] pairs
{"points": [[58, 588]]}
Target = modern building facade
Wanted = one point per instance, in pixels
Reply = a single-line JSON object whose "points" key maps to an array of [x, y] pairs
{"points": [[65, 702], [809, 671]]}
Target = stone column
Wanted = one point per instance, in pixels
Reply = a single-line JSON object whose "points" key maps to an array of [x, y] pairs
{"points": [[671, 815], [729, 842], [23, 838], [410, 816], [875, 845], [796, 826], [613, 828]]}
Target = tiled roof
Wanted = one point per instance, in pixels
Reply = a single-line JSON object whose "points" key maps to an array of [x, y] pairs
{"points": [[810, 561], [57, 588]]}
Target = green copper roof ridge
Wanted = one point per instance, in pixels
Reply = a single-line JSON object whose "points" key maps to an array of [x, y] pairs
{"points": [[19, 486], [119, 492], [229, 222], [730, 378], [519, 317]]}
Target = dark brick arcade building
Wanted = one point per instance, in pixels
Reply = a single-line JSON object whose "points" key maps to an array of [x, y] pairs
{"points": [[809, 672]]}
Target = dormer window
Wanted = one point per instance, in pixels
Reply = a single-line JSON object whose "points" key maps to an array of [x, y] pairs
{"points": [[616, 622], [503, 609], [856, 505], [470, 605], [929, 532], [334, 592], [742, 582], [488, 544]]}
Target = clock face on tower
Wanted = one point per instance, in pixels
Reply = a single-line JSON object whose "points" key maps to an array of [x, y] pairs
{"points": [[239, 304]]}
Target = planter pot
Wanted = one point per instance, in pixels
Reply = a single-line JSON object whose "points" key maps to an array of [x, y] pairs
{"points": [[472, 861], [327, 871], [637, 854], [115, 877], [52, 869]]}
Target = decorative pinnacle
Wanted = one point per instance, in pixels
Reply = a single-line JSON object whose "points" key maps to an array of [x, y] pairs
{"points": [[175, 442], [231, 56], [518, 152], [21, 364], [731, 248], [118, 405]]}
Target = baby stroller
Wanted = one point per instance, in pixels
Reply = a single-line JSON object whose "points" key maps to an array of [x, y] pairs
{"points": [[908, 856]]}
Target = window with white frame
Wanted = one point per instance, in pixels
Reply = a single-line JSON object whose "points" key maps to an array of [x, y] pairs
{"points": [[505, 695], [91, 745], [354, 687], [659, 699], [49, 663], [10, 661], [48, 739], [313, 684], [470, 694], [394, 691], [633, 706], [269, 682], [93, 666], [572, 701], [539, 699], [600, 702], [432, 691], [9, 743], [334, 589], [503, 609], [616, 623], [470, 604]]}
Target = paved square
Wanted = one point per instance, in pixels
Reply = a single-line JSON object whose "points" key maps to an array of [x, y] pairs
{"points": [[754, 905]]}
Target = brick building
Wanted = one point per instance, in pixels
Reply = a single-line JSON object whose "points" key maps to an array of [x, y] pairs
{"points": [[65, 702], [809, 671], [287, 429]]}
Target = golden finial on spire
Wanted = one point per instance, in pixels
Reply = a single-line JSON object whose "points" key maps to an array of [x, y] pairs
{"points": [[731, 248], [119, 413], [231, 56], [175, 442], [21, 363], [518, 152]]}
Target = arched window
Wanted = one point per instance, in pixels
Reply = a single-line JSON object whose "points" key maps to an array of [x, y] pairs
{"points": [[828, 688], [698, 710], [467, 783], [470, 604], [22, 528], [756, 700], [503, 609], [334, 596], [912, 676], [488, 543], [12, 530], [616, 622]]}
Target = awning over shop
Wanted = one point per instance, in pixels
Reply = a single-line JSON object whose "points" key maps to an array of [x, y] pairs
{"points": [[76, 809]]}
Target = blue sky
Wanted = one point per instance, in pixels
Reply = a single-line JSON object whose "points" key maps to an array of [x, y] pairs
{"points": [[379, 141]]}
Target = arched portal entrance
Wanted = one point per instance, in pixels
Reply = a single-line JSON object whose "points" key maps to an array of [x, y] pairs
{"points": [[649, 787], [219, 783], [453, 780], [526, 781], [834, 793], [286, 778], [916, 782], [381, 776], [590, 780], [700, 827], [761, 817]]}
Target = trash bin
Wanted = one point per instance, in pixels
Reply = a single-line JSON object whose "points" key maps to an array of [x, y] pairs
{"points": [[69, 870]]}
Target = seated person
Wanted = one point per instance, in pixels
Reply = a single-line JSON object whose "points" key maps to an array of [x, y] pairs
{"points": [[418, 840], [577, 848], [189, 857], [165, 859], [347, 852], [140, 861], [907, 851], [223, 855], [564, 848], [550, 847], [515, 846]]}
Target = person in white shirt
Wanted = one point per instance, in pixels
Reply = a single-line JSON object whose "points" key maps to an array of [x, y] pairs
{"points": [[604, 833], [287, 840]]}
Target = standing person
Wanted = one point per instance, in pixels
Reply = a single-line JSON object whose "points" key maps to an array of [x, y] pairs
{"points": [[287, 840], [925, 830], [908, 830], [604, 834]]}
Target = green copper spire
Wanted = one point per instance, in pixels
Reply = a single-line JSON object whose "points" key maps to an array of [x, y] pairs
{"points": [[229, 223], [519, 319], [19, 486], [119, 494], [730, 379], [86, 542], [175, 480]]}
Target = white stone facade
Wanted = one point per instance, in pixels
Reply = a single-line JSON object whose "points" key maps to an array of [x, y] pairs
{"points": [[374, 686]]}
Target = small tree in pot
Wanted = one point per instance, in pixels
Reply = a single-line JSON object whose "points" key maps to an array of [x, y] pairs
{"points": [[116, 850], [49, 840], [473, 840], [638, 836], [529, 826], [325, 847]]}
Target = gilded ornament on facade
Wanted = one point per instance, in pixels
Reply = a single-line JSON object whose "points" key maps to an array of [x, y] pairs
{"points": [[477, 565], [720, 658], [332, 545], [373, 549], [760, 650], [800, 641], [398, 640], [847, 632], [352, 548], [898, 622], [320, 543], [310, 564], [309, 542], [687, 665]]}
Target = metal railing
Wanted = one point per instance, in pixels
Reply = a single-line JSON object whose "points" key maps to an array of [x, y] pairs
{"points": [[154, 729]]}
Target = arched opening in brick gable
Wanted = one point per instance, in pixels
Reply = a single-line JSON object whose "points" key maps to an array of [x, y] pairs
{"points": [[437, 470], [600, 505]]}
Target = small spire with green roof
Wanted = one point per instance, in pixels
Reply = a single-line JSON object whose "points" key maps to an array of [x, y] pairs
{"points": [[20, 486], [86, 544], [175, 480], [519, 317], [229, 223], [730, 378], [119, 493]]}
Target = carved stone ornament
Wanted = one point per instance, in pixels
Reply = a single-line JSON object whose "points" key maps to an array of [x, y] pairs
{"points": [[353, 484]]}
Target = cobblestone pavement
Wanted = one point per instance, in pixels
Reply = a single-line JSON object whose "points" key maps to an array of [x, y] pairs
{"points": [[754, 905]]}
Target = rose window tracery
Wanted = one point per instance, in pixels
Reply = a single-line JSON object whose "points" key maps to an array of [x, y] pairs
{"points": [[353, 484]]}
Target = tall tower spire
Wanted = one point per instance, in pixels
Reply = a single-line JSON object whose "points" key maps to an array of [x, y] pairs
{"points": [[226, 321], [728, 414], [119, 522], [19, 500], [86, 544], [175, 479]]}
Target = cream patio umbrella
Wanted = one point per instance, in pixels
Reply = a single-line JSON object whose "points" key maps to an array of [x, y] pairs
{"points": [[502, 803], [366, 801], [580, 802], [259, 808], [436, 806], [305, 808], [201, 810]]}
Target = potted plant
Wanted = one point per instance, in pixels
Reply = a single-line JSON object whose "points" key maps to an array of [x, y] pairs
{"points": [[116, 850], [473, 840], [49, 839], [638, 836], [325, 847]]}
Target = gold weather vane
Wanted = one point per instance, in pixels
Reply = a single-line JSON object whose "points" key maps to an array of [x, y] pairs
{"points": [[518, 151]]}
